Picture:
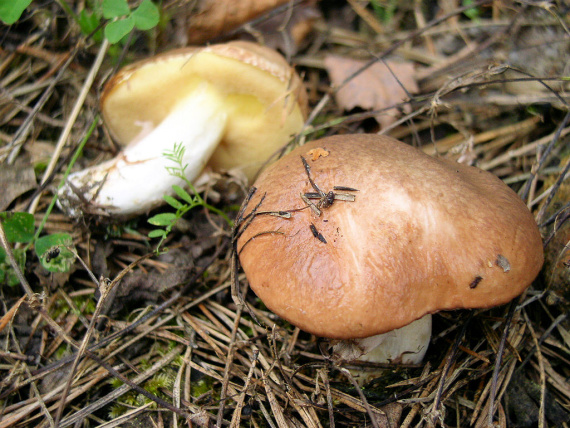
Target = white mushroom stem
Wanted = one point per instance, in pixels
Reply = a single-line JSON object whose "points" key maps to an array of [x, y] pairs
{"points": [[137, 179], [406, 345]]}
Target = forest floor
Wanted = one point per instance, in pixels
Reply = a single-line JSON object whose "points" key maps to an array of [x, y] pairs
{"points": [[483, 83]]}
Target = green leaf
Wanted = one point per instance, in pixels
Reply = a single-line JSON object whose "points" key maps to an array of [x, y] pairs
{"points": [[11, 278], [473, 13], [146, 15], [11, 10], [116, 30], [384, 10], [157, 233], [183, 194], [164, 219], [19, 227], [7, 273], [174, 203], [53, 254], [88, 22], [115, 8]]}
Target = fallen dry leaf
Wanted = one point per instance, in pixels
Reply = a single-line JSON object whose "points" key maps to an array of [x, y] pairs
{"points": [[8, 316], [375, 88], [212, 18], [16, 180], [145, 286], [393, 414]]}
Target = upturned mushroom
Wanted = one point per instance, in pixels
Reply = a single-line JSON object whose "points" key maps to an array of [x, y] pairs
{"points": [[230, 106], [360, 238]]}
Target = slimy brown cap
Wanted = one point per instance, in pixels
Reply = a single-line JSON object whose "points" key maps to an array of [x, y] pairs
{"points": [[421, 235]]}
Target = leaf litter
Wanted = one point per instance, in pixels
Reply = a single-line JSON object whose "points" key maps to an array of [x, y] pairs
{"points": [[176, 349]]}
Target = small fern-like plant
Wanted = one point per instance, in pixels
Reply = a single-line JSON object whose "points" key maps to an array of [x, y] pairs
{"points": [[166, 221]]}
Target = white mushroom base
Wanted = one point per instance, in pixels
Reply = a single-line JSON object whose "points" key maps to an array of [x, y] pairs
{"points": [[406, 345]]}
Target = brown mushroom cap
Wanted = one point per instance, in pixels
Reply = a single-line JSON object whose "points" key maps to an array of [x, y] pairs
{"points": [[264, 97], [422, 235]]}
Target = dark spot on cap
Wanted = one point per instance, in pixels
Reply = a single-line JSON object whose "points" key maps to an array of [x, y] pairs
{"points": [[475, 282], [317, 234]]}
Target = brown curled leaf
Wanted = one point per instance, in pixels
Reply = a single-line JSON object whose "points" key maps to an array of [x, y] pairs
{"points": [[375, 88]]}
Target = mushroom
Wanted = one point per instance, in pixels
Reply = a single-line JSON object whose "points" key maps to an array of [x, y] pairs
{"points": [[360, 238], [230, 106]]}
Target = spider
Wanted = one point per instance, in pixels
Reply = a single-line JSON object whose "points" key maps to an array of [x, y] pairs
{"points": [[325, 199]]}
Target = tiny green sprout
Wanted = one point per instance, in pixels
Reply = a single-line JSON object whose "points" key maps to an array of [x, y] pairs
{"points": [[122, 20], [145, 364], [117, 410], [166, 221], [85, 304], [384, 10], [141, 400], [160, 380], [473, 13], [131, 399], [115, 382], [201, 387], [178, 361], [164, 379], [61, 351]]}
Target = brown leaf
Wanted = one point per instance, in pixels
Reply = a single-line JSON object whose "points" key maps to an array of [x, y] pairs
{"points": [[375, 88], [15, 180], [393, 413], [140, 285], [8, 316]]}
